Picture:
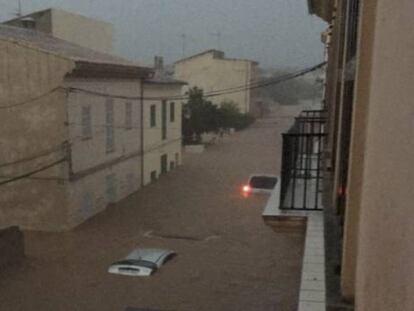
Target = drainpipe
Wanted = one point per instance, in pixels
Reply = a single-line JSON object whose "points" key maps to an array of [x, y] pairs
{"points": [[142, 128]]}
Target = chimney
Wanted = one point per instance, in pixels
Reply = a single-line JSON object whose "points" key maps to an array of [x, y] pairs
{"points": [[158, 63]]}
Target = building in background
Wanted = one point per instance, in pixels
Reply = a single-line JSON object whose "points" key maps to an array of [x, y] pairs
{"points": [[84, 31], [211, 71], [369, 151], [72, 127]]}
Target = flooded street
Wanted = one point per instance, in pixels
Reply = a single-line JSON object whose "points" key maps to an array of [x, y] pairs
{"points": [[227, 258]]}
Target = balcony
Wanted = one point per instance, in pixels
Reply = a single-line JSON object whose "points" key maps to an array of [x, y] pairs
{"points": [[301, 176], [297, 201]]}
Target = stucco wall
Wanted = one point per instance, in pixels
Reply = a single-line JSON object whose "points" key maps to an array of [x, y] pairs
{"points": [[385, 267], [43, 21], [92, 193], [212, 74], [32, 135], [357, 148], [91, 152], [154, 145], [84, 31], [91, 163], [152, 159]]}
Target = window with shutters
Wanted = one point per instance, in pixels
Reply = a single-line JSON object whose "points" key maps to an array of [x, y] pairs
{"points": [[164, 163], [172, 112], [153, 176], [109, 116], [153, 116], [164, 120], [86, 122], [128, 115]]}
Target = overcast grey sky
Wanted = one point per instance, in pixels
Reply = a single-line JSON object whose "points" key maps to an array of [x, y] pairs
{"points": [[277, 33]]}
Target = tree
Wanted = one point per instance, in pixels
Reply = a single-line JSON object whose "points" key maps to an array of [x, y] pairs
{"points": [[231, 117], [199, 116], [228, 114]]}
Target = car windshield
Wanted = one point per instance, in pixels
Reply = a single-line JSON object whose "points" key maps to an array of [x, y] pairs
{"points": [[140, 263], [263, 182]]}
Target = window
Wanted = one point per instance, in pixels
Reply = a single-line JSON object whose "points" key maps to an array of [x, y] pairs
{"points": [[172, 112], [153, 176], [177, 159], [164, 163], [111, 188], [164, 120], [87, 205], [172, 165], [153, 116], [29, 24], [86, 122], [130, 182], [128, 116], [109, 116]]}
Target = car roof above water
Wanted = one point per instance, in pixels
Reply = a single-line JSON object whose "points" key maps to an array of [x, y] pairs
{"points": [[149, 254]]}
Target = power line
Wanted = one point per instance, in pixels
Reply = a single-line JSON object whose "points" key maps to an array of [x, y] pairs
{"points": [[250, 86], [43, 168], [210, 94], [225, 91], [236, 89], [33, 99], [265, 83], [34, 156]]}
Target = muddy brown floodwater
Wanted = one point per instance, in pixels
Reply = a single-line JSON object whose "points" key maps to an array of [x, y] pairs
{"points": [[228, 259]]}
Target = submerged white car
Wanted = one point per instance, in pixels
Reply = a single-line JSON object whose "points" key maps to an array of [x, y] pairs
{"points": [[260, 183], [141, 262]]}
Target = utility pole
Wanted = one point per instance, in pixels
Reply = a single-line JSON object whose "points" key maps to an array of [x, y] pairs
{"points": [[218, 37]]}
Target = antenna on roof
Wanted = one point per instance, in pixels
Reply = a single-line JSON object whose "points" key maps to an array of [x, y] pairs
{"points": [[218, 36], [19, 8], [183, 37]]}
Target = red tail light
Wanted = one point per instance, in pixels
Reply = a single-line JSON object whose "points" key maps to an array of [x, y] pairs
{"points": [[246, 188]]}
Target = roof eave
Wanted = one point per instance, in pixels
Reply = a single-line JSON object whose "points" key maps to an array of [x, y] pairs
{"points": [[173, 82], [85, 69], [195, 56]]}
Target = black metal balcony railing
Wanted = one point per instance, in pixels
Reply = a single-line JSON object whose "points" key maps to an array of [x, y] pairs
{"points": [[301, 162]]}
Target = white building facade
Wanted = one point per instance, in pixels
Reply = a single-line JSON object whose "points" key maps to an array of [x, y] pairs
{"points": [[75, 130], [162, 128]]}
